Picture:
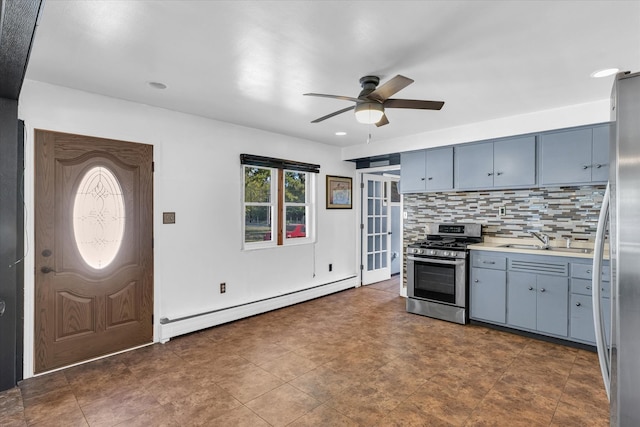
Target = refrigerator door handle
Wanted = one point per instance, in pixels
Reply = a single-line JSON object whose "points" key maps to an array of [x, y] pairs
{"points": [[598, 249]]}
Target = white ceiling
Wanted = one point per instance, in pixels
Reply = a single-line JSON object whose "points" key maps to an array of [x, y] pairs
{"points": [[249, 62]]}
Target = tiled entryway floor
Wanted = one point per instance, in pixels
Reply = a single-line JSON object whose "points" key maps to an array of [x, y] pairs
{"points": [[354, 358]]}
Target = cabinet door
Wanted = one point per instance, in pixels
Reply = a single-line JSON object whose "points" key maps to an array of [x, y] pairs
{"points": [[474, 166], [552, 305], [439, 169], [565, 157], [600, 154], [521, 300], [514, 162], [412, 171], [488, 295], [581, 324]]}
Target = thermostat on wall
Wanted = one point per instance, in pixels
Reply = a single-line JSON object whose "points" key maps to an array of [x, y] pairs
{"points": [[168, 217]]}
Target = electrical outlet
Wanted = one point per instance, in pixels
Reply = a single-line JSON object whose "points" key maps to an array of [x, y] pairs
{"points": [[502, 210], [330, 267], [168, 217], [223, 288], [405, 215]]}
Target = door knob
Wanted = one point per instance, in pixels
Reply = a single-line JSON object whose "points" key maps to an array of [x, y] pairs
{"points": [[46, 270], [46, 253]]}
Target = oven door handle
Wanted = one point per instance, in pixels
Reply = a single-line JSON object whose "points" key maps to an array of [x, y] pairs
{"points": [[436, 261]]}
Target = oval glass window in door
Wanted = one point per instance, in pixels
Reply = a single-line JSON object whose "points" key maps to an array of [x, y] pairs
{"points": [[98, 217]]}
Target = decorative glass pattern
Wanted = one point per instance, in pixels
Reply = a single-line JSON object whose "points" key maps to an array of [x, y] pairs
{"points": [[99, 217]]}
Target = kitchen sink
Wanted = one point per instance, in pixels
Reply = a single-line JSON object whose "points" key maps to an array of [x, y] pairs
{"points": [[572, 250], [519, 246], [552, 249]]}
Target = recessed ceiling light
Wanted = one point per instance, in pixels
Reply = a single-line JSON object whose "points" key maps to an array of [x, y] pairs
{"points": [[341, 133], [604, 73], [157, 85]]}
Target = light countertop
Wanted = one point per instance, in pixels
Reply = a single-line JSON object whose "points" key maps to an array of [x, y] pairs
{"points": [[497, 244]]}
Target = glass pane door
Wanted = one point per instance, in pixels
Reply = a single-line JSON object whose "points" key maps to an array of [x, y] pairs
{"points": [[376, 229]]}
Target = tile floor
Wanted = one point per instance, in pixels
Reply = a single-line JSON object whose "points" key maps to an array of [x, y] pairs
{"points": [[354, 358]]}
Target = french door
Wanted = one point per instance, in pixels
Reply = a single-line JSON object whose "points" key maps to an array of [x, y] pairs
{"points": [[376, 229], [93, 247]]}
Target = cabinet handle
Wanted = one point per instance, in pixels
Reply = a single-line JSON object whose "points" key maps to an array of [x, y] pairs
{"points": [[598, 165], [488, 262], [499, 173], [421, 179], [586, 166], [542, 290], [588, 271], [578, 304], [476, 280], [588, 287], [430, 178], [530, 288], [490, 173]]}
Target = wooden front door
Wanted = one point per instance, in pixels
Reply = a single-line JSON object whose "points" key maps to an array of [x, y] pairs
{"points": [[93, 247]]}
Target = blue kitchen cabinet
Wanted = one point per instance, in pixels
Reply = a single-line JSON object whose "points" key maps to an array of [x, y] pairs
{"points": [[474, 165], [488, 287], [413, 171], [496, 164], [521, 300], [581, 324], [575, 156], [537, 302], [552, 300], [426, 170]]}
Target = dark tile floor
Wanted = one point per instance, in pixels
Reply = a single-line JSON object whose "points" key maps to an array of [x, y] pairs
{"points": [[354, 358]]}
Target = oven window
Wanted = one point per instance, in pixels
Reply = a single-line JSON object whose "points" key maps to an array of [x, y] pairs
{"points": [[435, 282]]}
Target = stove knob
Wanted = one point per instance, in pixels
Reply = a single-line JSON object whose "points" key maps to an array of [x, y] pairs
{"points": [[421, 251], [453, 254], [445, 253], [432, 252]]}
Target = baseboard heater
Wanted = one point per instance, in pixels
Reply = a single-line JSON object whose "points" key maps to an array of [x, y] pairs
{"points": [[170, 328]]}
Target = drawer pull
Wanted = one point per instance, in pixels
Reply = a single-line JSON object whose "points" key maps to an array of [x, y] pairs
{"points": [[578, 304], [542, 290], [530, 288], [488, 262], [589, 271], [588, 288], [476, 281]]}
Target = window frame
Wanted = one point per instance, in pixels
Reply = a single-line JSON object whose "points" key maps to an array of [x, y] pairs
{"points": [[278, 209]]}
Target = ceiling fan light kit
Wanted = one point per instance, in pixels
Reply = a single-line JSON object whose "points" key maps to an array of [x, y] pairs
{"points": [[372, 100], [369, 112]]}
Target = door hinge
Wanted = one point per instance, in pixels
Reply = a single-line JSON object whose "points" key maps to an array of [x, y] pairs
{"points": [[361, 267], [361, 226], [362, 185]]}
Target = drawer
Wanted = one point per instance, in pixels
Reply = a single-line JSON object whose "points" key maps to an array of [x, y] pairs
{"points": [[583, 271], [584, 287], [490, 261]]}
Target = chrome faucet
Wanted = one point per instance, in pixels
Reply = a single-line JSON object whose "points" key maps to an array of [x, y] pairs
{"points": [[542, 237]]}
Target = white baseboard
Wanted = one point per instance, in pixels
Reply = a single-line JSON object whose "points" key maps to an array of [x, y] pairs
{"points": [[172, 328]]}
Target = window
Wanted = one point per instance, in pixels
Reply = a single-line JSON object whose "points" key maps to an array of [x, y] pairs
{"points": [[278, 202]]}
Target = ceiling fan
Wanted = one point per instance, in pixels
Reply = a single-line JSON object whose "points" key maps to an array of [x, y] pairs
{"points": [[370, 104]]}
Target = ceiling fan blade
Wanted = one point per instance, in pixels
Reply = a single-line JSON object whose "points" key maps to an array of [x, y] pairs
{"points": [[335, 113], [413, 103], [322, 95], [389, 88], [383, 121]]}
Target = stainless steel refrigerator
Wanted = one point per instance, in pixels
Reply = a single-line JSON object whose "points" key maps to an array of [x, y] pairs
{"points": [[620, 214]]}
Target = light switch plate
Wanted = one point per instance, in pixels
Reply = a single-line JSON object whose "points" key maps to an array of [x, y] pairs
{"points": [[168, 217]]}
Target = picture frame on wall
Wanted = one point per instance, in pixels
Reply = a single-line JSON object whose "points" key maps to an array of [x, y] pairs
{"points": [[339, 192]]}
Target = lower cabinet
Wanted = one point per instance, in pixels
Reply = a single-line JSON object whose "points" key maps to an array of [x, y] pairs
{"points": [[538, 302], [488, 294], [549, 295]]}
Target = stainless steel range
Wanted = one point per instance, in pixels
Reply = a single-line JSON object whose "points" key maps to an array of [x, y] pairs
{"points": [[437, 271]]}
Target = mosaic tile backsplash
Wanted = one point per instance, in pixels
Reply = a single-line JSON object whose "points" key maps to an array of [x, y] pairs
{"points": [[560, 212]]}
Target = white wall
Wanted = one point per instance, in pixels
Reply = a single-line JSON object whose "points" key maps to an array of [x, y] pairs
{"points": [[198, 176]]}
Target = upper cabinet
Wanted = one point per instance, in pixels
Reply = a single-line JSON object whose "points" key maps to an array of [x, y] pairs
{"points": [[504, 163], [575, 156], [426, 170]]}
